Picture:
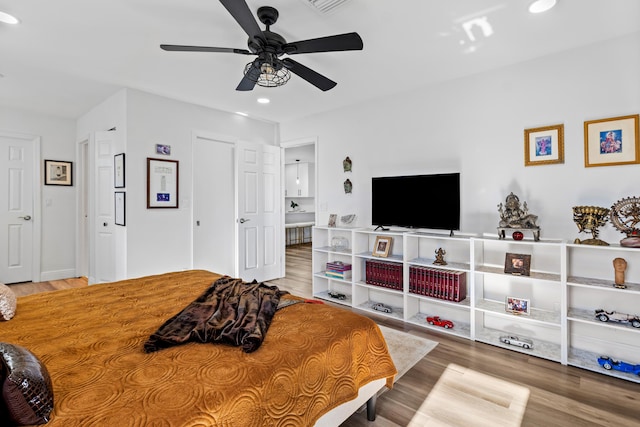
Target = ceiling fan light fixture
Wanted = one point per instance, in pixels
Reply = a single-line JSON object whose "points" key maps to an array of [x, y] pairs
{"points": [[269, 75], [540, 6]]}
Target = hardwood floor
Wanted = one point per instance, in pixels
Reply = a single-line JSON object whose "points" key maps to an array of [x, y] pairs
{"points": [[558, 395]]}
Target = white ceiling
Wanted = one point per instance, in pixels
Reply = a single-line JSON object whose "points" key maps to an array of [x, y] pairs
{"points": [[66, 56]]}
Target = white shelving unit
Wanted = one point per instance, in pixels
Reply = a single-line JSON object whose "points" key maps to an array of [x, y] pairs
{"points": [[420, 250], [543, 288], [589, 286], [567, 283]]}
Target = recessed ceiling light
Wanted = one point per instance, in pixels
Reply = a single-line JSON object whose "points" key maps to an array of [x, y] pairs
{"points": [[540, 6], [240, 113], [264, 100], [8, 19]]}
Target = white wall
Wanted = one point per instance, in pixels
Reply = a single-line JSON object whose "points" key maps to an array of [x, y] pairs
{"points": [[58, 203], [159, 240], [475, 125]]}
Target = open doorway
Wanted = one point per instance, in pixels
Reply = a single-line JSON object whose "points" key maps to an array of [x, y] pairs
{"points": [[299, 192]]}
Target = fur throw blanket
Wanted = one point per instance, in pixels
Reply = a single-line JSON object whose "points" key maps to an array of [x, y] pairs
{"points": [[230, 311]]}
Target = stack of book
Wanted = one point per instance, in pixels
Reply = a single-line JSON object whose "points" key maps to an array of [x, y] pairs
{"points": [[338, 270], [449, 285], [384, 273]]}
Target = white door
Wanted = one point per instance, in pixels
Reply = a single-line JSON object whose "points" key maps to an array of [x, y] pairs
{"points": [[259, 239], [102, 264], [18, 208], [214, 227]]}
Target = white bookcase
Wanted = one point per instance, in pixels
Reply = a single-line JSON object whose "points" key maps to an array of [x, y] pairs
{"points": [[589, 287], [567, 283]]}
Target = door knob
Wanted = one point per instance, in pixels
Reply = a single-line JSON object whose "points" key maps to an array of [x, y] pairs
{"points": [[26, 217], [242, 220]]}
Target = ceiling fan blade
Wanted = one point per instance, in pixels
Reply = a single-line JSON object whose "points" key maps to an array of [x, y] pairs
{"points": [[250, 78], [313, 77], [337, 43], [180, 48], [242, 14]]}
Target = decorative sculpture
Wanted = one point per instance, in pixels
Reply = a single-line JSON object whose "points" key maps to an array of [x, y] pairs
{"points": [[625, 217], [589, 219], [619, 267], [347, 164], [513, 216], [348, 186], [440, 253]]}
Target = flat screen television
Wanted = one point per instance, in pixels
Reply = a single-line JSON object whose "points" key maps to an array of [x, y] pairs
{"points": [[416, 201]]}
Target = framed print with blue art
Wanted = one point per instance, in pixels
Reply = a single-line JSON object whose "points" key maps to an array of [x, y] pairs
{"points": [[162, 183], [611, 142], [544, 145]]}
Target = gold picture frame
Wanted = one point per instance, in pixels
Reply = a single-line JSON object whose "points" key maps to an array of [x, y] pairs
{"points": [[544, 145], [382, 246], [611, 142]]}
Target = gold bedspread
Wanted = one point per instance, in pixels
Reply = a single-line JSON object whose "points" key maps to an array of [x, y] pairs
{"points": [[313, 358]]}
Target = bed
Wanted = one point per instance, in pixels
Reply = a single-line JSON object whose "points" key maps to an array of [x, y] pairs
{"points": [[315, 361]]}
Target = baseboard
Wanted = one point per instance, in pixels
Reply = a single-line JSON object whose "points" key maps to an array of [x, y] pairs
{"points": [[46, 276]]}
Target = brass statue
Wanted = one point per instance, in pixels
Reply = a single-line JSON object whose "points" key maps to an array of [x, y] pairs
{"points": [[513, 216], [440, 253], [625, 217], [589, 219]]}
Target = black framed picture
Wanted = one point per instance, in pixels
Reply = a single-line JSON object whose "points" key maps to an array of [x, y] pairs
{"points": [[517, 264], [118, 171], [58, 172]]}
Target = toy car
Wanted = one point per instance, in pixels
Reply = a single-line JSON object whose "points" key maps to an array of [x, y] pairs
{"points": [[614, 316], [381, 307], [608, 363], [514, 340], [337, 295], [437, 321]]}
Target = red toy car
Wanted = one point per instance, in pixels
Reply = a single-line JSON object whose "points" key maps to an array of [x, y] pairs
{"points": [[436, 320]]}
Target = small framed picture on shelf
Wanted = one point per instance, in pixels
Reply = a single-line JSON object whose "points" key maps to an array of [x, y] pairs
{"points": [[517, 264], [517, 305], [382, 246], [333, 219]]}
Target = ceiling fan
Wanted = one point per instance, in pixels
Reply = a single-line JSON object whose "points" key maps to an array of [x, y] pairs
{"points": [[268, 69]]}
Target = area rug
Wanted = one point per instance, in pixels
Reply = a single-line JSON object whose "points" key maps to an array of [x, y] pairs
{"points": [[406, 350], [463, 397]]}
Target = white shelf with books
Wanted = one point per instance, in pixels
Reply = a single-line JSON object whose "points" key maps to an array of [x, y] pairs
{"points": [[332, 247], [517, 290], [378, 272], [590, 288], [435, 281]]}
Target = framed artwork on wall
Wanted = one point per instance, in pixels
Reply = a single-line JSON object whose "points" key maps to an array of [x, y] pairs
{"points": [[120, 200], [611, 142], [162, 183], [118, 170], [544, 145], [58, 172]]}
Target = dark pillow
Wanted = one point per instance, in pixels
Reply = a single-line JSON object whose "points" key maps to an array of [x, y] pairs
{"points": [[27, 392]]}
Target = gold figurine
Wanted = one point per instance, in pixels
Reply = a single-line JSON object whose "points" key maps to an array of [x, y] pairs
{"points": [[589, 219]]}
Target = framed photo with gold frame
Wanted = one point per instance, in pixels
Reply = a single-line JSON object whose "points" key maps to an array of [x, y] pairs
{"points": [[544, 145], [517, 264], [612, 142], [382, 246]]}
